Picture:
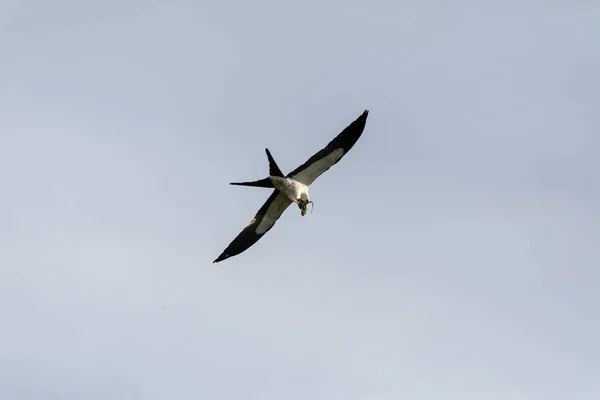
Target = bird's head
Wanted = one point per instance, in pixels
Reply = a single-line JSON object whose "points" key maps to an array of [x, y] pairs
{"points": [[303, 206]]}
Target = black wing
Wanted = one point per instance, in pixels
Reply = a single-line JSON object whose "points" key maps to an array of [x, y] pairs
{"points": [[262, 222], [332, 153]]}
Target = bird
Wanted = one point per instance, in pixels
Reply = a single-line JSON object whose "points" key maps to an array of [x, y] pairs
{"points": [[293, 187]]}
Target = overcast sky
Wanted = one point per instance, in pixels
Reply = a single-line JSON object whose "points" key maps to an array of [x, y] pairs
{"points": [[454, 253]]}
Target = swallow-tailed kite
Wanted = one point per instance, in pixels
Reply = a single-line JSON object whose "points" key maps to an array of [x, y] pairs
{"points": [[292, 188]]}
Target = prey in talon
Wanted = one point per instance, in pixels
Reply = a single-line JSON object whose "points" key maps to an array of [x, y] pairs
{"points": [[303, 206]]}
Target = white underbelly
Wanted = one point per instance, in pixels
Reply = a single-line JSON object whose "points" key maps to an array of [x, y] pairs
{"points": [[291, 188]]}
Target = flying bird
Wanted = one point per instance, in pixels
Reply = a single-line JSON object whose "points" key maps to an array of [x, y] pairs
{"points": [[293, 187]]}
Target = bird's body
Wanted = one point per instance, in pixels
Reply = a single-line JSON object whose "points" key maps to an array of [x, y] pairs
{"points": [[295, 191], [292, 188]]}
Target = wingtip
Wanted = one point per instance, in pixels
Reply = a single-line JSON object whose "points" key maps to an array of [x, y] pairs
{"points": [[362, 117], [221, 257]]}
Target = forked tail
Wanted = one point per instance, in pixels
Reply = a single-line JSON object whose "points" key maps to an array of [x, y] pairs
{"points": [[266, 182], [273, 167]]}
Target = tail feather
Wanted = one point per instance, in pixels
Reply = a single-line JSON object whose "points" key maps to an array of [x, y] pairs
{"points": [[273, 167], [265, 183]]}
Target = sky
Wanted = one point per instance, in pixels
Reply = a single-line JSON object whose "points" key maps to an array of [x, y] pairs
{"points": [[453, 253]]}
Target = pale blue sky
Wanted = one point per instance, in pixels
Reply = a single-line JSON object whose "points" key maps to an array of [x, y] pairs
{"points": [[454, 253]]}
